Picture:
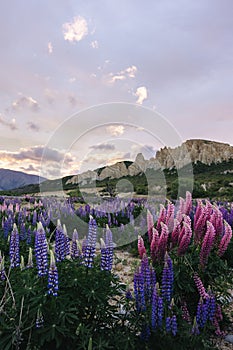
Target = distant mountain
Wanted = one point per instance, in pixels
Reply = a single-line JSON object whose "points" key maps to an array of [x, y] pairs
{"points": [[11, 179]]}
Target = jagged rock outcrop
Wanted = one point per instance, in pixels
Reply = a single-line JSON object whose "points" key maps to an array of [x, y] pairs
{"points": [[114, 171], [193, 151]]}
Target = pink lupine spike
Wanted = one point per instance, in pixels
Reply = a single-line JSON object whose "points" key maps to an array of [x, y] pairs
{"points": [[200, 286], [226, 238], [181, 234], [181, 209], [154, 241], [200, 225], [207, 243], [141, 247], [185, 240], [162, 243], [188, 203], [217, 220], [169, 220], [208, 210], [198, 211], [161, 218], [150, 225], [175, 232]]}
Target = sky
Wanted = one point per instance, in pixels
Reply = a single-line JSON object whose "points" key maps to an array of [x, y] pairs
{"points": [[60, 59]]}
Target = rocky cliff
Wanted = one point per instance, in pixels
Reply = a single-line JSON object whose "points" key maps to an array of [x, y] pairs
{"points": [[193, 151]]}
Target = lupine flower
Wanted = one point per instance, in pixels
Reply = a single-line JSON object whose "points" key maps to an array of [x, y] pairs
{"points": [[168, 324], [200, 286], [52, 276], [39, 319], [185, 313], [169, 220], [207, 244], [41, 250], [109, 247], [14, 247], [141, 247], [188, 203], [75, 250], [174, 325], [150, 225], [160, 311], [212, 306], [67, 241], [175, 233], [195, 328], [60, 242], [162, 244], [167, 279], [91, 244], [139, 291], [128, 293], [225, 239], [185, 240], [154, 243], [217, 220], [145, 333], [2, 268], [161, 218], [218, 317], [30, 261], [154, 308], [202, 313]]}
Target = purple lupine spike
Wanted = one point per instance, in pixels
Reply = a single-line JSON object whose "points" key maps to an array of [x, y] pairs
{"points": [[169, 220], [14, 247], [200, 286], [139, 291], [202, 312], [150, 225], [90, 249], [67, 241], [41, 250], [160, 311], [109, 248], [212, 306], [2, 267], [75, 250], [60, 242], [207, 244], [141, 247], [52, 276], [225, 239], [154, 307], [185, 240], [168, 324], [174, 325], [195, 328], [167, 279], [185, 312]]}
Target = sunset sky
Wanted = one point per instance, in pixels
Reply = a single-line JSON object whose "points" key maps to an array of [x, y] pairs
{"points": [[59, 58]]}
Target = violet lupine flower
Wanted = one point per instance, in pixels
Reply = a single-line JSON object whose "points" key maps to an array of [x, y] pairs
{"points": [[60, 241], [168, 324], [109, 247], [67, 241], [145, 333], [41, 250], [185, 313], [202, 313], [139, 291], [14, 247], [200, 286], [30, 261], [195, 328], [174, 325], [225, 239], [167, 279], [160, 311], [185, 240], [91, 244], [150, 225], [2, 268], [154, 307], [217, 318], [75, 250], [141, 247], [207, 244], [39, 319], [52, 276], [146, 273], [212, 306]]}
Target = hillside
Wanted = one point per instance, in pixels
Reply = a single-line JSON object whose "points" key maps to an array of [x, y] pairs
{"points": [[10, 179]]}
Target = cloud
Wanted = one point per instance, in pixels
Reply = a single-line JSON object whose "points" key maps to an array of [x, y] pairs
{"points": [[115, 130], [129, 72], [33, 126], [25, 102], [105, 147], [29, 168], [94, 44], [11, 124], [75, 30], [50, 48], [141, 93]]}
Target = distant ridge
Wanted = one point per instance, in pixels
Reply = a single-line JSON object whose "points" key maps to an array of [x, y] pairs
{"points": [[11, 179]]}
